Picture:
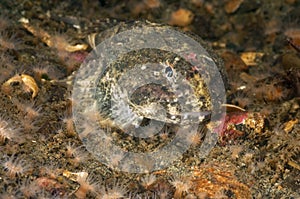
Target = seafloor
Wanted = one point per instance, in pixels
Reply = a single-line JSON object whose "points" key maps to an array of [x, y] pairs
{"points": [[43, 43]]}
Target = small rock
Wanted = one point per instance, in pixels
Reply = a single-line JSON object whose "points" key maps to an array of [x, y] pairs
{"points": [[182, 17], [232, 6]]}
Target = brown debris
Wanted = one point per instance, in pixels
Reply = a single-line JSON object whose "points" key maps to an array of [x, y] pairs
{"points": [[251, 58], [215, 179], [294, 164], [51, 186], [233, 61], [290, 61], [52, 41], [139, 7], [288, 126], [256, 122], [28, 83], [197, 3], [249, 79], [152, 3], [294, 34]]}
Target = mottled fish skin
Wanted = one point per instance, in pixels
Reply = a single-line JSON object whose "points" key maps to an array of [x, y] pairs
{"points": [[200, 108]]}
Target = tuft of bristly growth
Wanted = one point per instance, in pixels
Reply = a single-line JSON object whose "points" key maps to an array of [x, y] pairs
{"points": [[77, 155], [15, 166], [88, 184], [182, 185], [148, 180], [9, 41], [115, 191], [6, 132], [69, 126], [4, 22]]}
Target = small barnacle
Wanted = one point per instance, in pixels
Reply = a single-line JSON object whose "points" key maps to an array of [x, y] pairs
{"points": [[28, 83]]}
